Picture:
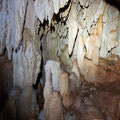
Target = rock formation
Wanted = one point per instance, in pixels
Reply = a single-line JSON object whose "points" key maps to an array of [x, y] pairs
{"points": [[71, 47]]}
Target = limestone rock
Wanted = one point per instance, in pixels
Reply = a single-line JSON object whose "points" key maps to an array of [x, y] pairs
{"points": [[112, 40], [77, 102], [95, 55], [50, 47], [10, 110], [72, 30], [75, 68], [91, 112], [75, 77], [54, 109], [19, 20], [2, 31], [80, 50], [74, 82], [109, 106], [48, 86], [31, 17], [65, 90], [26, 62], [53, 68], [93, 44], [56, 5], [73, 115], [45, 8], [7, 18], [26, 104], [93, 73], [100, 26], [41, 115], [6, 80]]}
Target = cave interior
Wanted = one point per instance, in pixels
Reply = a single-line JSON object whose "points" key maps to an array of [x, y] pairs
{"points": [[59, 59]]}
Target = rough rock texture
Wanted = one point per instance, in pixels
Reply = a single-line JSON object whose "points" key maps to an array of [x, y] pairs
{"points": [[53, 72], [75, 76], [84, 29], [21, 104], [12, 24], [46, 8], [26, 104], [91, 102], [6, 80], [72, 30], [87, 31], [19, 41], [26, 63], [65, 90], [54, 109], [18, 36]]}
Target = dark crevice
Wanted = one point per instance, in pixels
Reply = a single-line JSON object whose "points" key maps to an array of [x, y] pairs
{"points": [[112, 49], [74, 43], [115, 3]]}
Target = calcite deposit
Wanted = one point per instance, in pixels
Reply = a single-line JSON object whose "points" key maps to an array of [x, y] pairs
{"points": [[71, 47]]}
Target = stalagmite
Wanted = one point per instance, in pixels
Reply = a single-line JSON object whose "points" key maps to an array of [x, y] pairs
{"points": [[65, 90], [74, 82], [75, 68], [53, 68], [95, 55], [81, 37], [27, 103], [54, 109], [75, 77], [26, 63], [53, 104], [48, 87], [80, 50]]}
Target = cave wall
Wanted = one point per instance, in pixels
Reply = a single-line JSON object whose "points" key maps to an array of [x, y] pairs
{"points": [[80, 22], [64, 29], [74, 34], [20, 40]]}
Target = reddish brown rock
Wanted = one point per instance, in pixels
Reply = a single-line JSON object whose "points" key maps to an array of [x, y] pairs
{"points": [[91, 112], [75, 81], [109, 103], [93, 73], [77, 101], [54, 109], [65, 90]]}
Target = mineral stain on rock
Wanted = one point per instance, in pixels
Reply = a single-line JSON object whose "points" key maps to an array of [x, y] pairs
{"points": [[59, 60]]}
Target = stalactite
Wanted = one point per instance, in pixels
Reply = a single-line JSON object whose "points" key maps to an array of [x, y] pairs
{"points": [[46, 8], [73, 28]]}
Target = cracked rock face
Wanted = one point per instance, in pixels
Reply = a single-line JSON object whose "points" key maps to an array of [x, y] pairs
{"points": [[82, 36], [27, 61], [46, 8], [18, 36], [86, 29], [79, 29]]}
